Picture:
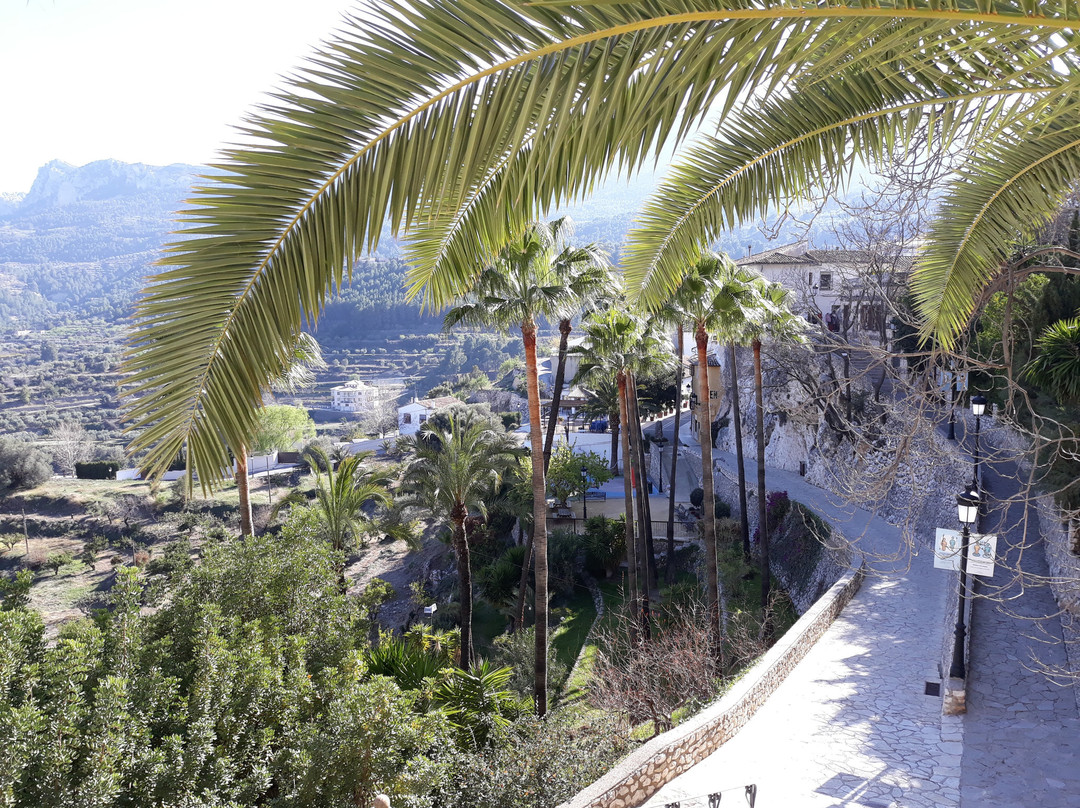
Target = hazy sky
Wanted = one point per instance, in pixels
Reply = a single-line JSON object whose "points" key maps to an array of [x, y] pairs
{"points": [[149, 81]]}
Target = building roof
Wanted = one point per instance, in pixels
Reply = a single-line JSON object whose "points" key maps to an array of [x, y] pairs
{"points": [[435, 403], [797, 253], [714, 362]]}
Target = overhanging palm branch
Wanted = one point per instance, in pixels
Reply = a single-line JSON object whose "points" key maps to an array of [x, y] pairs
{"points": [[423, 112]]}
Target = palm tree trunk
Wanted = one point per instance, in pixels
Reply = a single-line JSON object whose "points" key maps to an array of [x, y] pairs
{"points": [[763, 529], [243, 491], [649, 551], [628, 494], [707, 506], [674, 463], [523, 584], [556, 392], [643, 548], [736, 417], [615, 422], [461, 545], [540, 581]]}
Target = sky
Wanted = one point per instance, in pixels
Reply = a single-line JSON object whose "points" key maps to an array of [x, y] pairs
{"points": [[142, 81]]}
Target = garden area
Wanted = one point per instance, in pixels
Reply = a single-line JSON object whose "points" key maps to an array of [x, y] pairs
{"points": [[172, 657]]}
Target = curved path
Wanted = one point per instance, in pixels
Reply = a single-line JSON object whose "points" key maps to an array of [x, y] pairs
{"points": [[851, 725], [1022, 732]]}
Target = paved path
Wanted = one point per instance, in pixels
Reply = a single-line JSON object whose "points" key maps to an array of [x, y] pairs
{"points": [[1022, 732], [850, 726]]}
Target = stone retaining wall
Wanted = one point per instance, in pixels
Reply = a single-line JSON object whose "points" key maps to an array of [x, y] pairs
{"points": [[641, 774]]}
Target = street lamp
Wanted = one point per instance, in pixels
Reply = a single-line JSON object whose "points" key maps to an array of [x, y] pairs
{"points": [[952, 404], [584, 492], [978, 407], [967, 507]]}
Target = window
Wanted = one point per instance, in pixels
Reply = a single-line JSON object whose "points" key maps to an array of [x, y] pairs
{"points": [[423, 418], [406, 418], [810, 279], [826, 281]]}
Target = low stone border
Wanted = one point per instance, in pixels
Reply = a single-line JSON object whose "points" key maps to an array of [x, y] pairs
{"points": [[641, 773], [598, 603]]}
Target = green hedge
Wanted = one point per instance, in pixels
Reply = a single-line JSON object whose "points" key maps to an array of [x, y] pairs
{"points": [[97, 470]]}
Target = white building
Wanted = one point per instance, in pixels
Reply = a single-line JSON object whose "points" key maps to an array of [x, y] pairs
{"points": [[365, 396], [846, 289], [413, 415]]}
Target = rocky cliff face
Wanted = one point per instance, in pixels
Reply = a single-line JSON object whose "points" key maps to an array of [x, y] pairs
{"points": [[59, 184], [909, 476]]}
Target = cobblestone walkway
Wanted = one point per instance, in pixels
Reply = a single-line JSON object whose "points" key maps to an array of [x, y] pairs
{"points": [[850, 726], [1022, 733]]}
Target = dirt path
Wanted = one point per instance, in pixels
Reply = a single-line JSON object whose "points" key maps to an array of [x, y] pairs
{"points": [[394, 563]]}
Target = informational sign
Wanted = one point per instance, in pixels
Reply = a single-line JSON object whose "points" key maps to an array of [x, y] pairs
{"points": [[981, 554], [947, 546], [944, 380], [982, 550]]}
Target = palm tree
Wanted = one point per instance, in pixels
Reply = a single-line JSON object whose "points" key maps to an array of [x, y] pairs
{"points": [[669, 315], [451, 473], [476, 116], [587, 274], [740, 462], [775, 320], [1056, 367], [602, 401], [513, 291], [341, 497], [714, 295], [617, 342]]}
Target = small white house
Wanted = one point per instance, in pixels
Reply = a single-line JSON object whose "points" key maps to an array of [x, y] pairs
{"points": [[413, 415]]}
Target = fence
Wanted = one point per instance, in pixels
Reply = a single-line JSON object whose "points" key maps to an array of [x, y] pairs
{"points": [[685, 530]]}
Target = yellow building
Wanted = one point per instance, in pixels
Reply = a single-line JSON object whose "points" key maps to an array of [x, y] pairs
{"points": [[716, 392]]}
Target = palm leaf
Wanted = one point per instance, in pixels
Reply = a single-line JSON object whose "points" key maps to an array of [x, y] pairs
{"points": [[414, 113], [1017, 184]]}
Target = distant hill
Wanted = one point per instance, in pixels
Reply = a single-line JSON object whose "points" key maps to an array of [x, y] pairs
{"points": [[82, 241], [79, 243]]}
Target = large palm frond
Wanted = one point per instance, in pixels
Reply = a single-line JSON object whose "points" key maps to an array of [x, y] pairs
{"points": [[788, 150], [417, 112]]}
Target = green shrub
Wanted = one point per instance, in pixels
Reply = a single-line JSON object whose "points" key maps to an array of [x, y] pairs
{"points": [[97, 470], [533, 762], [510, 420], [563, 549], [499, 581], [55, 561], [721, 508], [517, 651], [22, 466], [605, 544], [697, 496]]}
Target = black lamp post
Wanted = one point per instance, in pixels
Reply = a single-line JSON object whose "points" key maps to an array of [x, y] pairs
{"points": [[584, 492], [952, 405], [847, 377], [978, 407], [967, 506]]}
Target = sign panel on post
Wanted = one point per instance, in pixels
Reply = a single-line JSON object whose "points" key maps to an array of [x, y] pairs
{"points": [[981, 552], [947, 546]]}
